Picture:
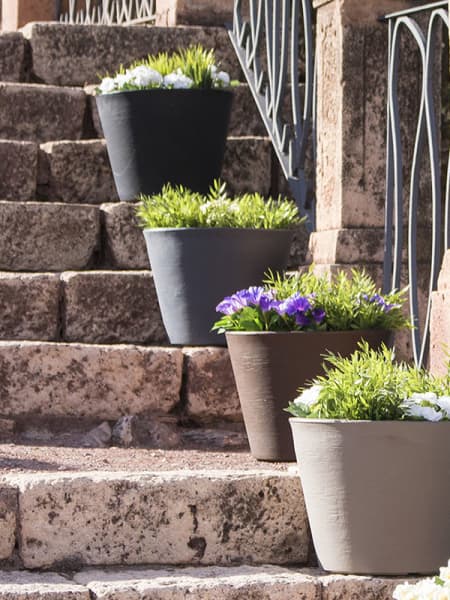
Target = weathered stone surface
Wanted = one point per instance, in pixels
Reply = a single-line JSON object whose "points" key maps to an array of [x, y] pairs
{"points": [[104, 307], [77, 172], [244, 119], [16, 13], [8, 521], [193, 517], [348, 246], [12, 56], [23, 585], [444, 274], [440, 332], [7, 430], [210, 388], [77, 54], [204, 583], [98, 382], [146, 432], [41, 113], [125, 243], [247, 165], [47, 237], [29, 306], [344, 587], [18, 170], [194, 12]]}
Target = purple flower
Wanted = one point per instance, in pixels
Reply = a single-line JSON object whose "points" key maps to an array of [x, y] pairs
{"points": [[318, 314], [302, 320], [294, 304], [253, 296]]}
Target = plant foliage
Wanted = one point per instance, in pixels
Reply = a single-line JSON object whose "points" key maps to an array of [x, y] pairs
{"points": [[308, 302], [177, 206], [371, 385]]}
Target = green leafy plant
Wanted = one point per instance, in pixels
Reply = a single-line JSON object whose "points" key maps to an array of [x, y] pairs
{"points": [[308, 302], [371, 385], [177, 206], [188, 68]]}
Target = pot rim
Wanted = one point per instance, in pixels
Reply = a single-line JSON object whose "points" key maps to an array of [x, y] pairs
{"points": [[333, 332], [166, 90], [216, 229], [364, 422]]}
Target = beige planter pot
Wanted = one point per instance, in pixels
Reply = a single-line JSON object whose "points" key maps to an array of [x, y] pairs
{"points": [[377, 493]]}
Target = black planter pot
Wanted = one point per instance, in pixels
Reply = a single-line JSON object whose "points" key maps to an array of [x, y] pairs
{"points": [[269, 367], [160, 136], [194, 269]]}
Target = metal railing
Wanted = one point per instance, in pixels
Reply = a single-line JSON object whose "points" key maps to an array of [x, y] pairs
{"points": [[106, 12], [422, 27], [273, 40]]}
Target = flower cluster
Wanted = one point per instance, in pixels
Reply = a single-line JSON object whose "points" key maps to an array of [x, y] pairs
{"points": [[296, 312], [379, 300], [428, 406], [436, 588]]}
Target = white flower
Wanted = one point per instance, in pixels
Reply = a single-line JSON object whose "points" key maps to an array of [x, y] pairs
{"points": [[123, 78], [309, 396], [424, 396], [107, 85], [221, 78], [444, 403], [422, 412], [426, 589], [143, 76], [177, 80]]}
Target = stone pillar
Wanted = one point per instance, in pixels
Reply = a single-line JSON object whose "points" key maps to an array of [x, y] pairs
{"points": [[194, 12], [17, 13], [440, 321]]}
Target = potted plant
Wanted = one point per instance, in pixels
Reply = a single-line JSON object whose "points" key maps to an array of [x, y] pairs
{"points": [[201, 246], [278, 333], [165, 119], [432, 588], [372, 439]]}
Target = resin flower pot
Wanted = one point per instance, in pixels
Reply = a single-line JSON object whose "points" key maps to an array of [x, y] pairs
{"points": [[269, 367], [377, 493], [164, 136], [194, 268]]}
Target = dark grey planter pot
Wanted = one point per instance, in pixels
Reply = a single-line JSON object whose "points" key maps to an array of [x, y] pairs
{"points": [[194, 269], [161, 136], [377, 494], [269, 367]]}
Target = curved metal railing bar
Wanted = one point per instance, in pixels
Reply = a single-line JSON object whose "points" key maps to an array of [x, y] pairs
{"points": [[427, 131], [267, 44], [107, 12]]}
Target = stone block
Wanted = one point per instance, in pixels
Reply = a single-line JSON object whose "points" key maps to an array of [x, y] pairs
{"points": [[247, 165], [77, 172], [194, 517], [444, 273], [344, 587], [194, 12], [125, 243], [104, 307], [22, 585], [41, 113], [29, 305], [47, 237], [348, 246], [18, 170], [210, 389], [8, 521], [77, 54], [440, 332], [16, 13], [12, 56], [244, 119], [203, 583], [98, 382]]}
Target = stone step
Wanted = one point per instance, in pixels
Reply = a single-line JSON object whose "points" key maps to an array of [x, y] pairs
{"points": [[200, 583], [106, 382], [45, 113], [202, 517], [75, 55], [79, 171]]}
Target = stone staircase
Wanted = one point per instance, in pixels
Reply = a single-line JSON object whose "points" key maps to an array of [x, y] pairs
{"points": [[85, 366]]}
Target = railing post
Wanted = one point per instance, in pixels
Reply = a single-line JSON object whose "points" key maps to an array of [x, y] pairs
{"points": [[17, 13], [352, 64]]}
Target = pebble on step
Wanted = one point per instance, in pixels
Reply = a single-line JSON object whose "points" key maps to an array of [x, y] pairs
{"points": [[145, 432]]}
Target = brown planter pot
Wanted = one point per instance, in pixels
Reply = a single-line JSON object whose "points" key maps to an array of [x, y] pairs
{"points": [[377, 493], [269, 367]]}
